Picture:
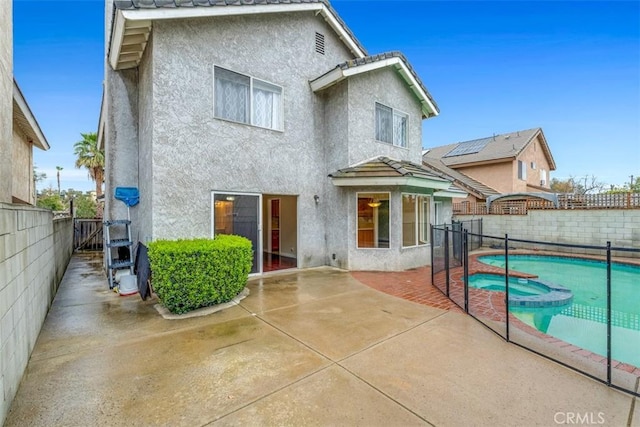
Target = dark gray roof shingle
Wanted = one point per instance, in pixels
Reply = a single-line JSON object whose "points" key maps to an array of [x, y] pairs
{"points": [[384, 167], [503, 146], [469, 184], [387, 55], [156, 4]]}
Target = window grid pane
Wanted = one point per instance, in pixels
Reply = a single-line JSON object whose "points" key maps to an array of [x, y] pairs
{"points": [[400, 130], [424, 220], [243, 99], [409, 220], [522, 170], [266, 104], [415, 220], [373, 220], [232, 95], [384, 123]]}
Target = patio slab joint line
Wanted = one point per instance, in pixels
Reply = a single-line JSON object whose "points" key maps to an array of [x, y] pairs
{"points": [[387, 396], [269, 394], [392, 336], [633, 403]]}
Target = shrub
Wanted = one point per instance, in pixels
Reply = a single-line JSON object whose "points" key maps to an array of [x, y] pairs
{"points": [[189, 274]]}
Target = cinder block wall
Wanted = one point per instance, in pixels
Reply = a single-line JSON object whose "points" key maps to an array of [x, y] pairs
{"points": [[34, 253], [582, 227]]}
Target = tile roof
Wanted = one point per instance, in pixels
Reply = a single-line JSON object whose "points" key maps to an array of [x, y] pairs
{"points": [[504, 146], [384, 167], [388, 55], [463, 181], [155, 4]]}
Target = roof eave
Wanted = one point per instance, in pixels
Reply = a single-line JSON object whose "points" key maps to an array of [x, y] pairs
{"points": [[547, 151], [132, 28], [404, 181], [27, 120], [338, 74], [481, 162], [450, 193], [101, 122]]}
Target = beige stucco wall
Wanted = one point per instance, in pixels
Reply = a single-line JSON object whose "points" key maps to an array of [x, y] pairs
{"points": [[22, 165], [495, 175], [6, 99], [533, 153], [503, 176]]}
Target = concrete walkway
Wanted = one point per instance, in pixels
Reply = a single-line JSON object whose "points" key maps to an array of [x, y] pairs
{"points": [[314, 347]]}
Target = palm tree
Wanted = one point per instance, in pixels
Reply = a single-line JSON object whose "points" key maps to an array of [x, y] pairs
{"points": [[91, 157], [59, 168]]}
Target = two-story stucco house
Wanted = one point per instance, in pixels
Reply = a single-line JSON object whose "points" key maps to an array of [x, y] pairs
{"points": [[268, 119], [512, 163]]}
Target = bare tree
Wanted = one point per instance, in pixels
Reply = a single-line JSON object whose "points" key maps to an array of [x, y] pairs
{"points": [[578, 185], [588, 184]]}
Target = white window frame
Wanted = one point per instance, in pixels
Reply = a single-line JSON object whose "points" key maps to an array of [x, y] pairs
{"points": [[278, 126], [394, 113], [375, 220], [421, 236], [522, 170], [438, 219]]}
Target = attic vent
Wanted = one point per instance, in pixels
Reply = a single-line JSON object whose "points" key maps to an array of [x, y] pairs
{"points": [[320, 43]]}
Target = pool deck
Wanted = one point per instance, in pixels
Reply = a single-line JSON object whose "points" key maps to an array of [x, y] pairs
{"points": [[310, 347], [489, 306]]}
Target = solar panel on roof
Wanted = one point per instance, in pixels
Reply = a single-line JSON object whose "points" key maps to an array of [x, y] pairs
{"points": [[469, 147]]}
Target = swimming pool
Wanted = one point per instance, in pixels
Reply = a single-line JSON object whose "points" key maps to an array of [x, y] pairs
{"points": [[583, 322], [524, 293]]}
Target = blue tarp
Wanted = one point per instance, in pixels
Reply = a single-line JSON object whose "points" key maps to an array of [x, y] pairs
{"points": [[128, 195]]}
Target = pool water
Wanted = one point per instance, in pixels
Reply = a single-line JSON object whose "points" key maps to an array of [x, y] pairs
{"points": [[583, 323], [587, 279], [493, 282]]}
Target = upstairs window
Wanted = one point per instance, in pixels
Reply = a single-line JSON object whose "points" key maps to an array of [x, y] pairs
{"points": [[243, 99], [391, 126], [522, 170]]}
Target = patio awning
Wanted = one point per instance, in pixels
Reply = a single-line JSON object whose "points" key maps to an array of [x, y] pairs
{"points": [[383, 171]]}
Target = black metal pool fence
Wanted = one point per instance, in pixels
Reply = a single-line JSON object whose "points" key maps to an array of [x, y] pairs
{"points": [[591, 328]]}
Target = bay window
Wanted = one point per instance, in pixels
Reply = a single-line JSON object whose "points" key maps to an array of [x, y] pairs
{"points": [[373, 220], [415, 220]]}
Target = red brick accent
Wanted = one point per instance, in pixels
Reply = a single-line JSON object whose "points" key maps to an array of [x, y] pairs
{"points": [[415, 285]]}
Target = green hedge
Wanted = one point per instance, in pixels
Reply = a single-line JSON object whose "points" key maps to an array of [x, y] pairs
{"points": [[189, 274]]}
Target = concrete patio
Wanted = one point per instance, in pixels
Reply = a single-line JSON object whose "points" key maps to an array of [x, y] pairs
{"points": [[313, 347]]}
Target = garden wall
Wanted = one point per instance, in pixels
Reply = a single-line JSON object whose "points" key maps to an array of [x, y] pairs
{"points": [[34, 253], [582, 227]]}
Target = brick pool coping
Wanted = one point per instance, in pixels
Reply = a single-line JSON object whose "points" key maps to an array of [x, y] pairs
{"points": [[415, 285]]}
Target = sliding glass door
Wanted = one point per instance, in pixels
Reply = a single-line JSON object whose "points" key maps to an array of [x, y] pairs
{"points": [[239, 214]]}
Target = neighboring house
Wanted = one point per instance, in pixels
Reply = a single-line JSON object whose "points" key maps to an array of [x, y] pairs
{"points": [[26, 135], [475, 189], [516, 162], [268, 119]]}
